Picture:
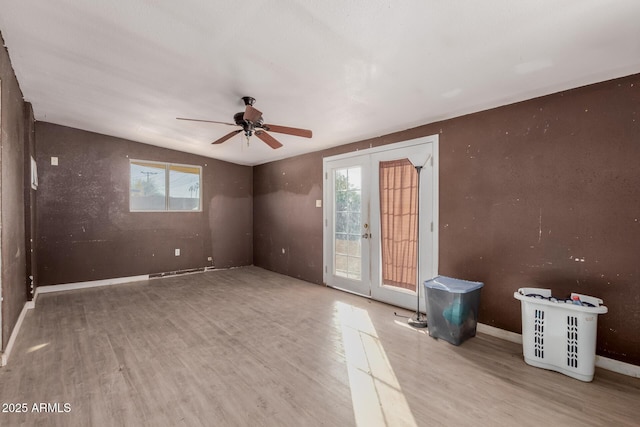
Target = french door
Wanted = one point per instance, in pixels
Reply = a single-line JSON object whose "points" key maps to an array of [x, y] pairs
{"points": [[353, 256]]}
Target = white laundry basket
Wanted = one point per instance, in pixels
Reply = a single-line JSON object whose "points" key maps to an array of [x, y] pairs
{"points": [[559, 335]]}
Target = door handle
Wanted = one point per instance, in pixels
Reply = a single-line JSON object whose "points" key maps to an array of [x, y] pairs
{"points": [[366, 235]]}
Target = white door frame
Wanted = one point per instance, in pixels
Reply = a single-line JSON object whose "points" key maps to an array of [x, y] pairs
{"points": [[429, 258]]}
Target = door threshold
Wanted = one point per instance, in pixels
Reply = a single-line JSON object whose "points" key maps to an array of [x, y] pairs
{"points": [[349, 291]]}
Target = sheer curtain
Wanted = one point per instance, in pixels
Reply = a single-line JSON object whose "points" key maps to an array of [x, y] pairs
{"points": [[398, 218]]}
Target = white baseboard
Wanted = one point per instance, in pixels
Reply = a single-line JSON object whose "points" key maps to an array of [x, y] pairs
{"points": [[601, 362], [617, 366], [83, 285], [500, 333], [16, 329]]}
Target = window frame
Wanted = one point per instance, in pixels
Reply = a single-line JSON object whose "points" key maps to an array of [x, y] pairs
{"points": [[167, 195]]}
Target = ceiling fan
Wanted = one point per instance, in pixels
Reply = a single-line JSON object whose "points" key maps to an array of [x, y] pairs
{"points": [[251, 122]]}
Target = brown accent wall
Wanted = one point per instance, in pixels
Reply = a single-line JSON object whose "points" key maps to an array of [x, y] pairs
{"points": [[287, 225], [30, 238], [13, 122], [542, 193], [85, 230]]}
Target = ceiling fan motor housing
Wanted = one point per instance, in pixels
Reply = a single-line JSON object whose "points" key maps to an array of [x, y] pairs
{"points": [[248, 126], [239, 119]]}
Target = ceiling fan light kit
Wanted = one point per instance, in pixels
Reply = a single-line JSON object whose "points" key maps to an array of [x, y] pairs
{"points": [[251, 122]]}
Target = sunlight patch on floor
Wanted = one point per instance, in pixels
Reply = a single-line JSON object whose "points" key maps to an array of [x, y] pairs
{"points": [[36, 347], [407, 326], [375, 392]]}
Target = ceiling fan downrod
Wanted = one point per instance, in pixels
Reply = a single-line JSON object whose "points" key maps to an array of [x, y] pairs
{"points": [[248, 100]]}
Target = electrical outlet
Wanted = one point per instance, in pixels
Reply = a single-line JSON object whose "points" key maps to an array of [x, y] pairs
{"points": [[210, 258], [177, 252]]}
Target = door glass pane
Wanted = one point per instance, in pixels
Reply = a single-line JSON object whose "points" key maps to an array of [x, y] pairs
{"points": [[348, 223], [353, 223], [342, 222]]}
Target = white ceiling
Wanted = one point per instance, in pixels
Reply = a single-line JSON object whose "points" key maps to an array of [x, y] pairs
{"points": [[347, 69]]}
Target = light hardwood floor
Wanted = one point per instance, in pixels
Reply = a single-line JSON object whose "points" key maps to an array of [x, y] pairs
{"points": [[248, 347]]}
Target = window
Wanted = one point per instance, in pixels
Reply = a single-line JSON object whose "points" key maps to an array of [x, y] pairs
{"points": [[156, 186]]}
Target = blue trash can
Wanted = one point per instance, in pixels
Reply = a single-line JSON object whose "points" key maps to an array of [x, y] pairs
{"points": [[452, 308]]}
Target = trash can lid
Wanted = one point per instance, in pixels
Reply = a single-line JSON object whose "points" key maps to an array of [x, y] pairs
{"points": [[450, 284]]}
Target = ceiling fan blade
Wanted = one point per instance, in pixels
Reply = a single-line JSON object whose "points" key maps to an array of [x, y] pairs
{"points": [[206, 121], [268, 139], [227, 136], [306, 133], [251, 114]]}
